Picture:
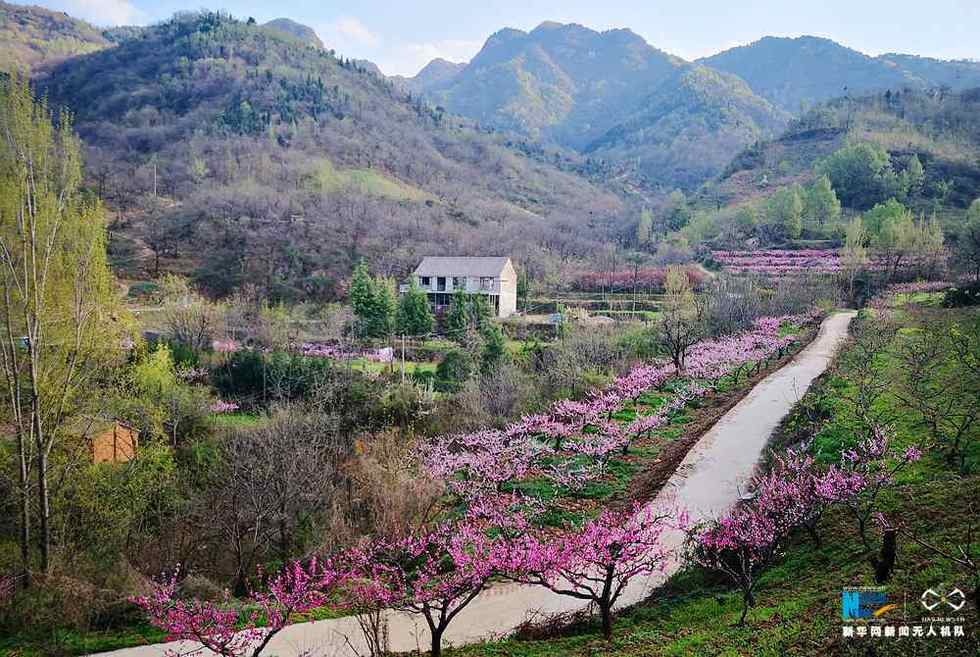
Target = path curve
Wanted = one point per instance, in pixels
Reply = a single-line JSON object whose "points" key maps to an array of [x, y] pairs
{"points": [[707, 482]]}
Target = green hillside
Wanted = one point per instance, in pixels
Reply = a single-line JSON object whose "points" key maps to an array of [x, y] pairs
{"points": [[32, 36], [205, 134], [654, 118], [686, 131]]}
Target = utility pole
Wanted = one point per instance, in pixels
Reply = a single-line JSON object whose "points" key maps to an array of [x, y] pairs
{"points": [[403, 358]]}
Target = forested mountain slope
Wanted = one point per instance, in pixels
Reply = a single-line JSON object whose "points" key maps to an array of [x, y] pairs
{"points": [[33, 36], [687, 129], [243, 156], [797, 73], [940, 130], [613, 96], [563, 82]]}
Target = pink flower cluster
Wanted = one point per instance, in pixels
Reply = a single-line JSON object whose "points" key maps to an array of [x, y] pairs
{"points": [[223, 628], [334, 352], [599, 561], [220, 406], [437, 567], [920, 286], [551, 444], [647, 279], [778, 263], [793, 494]]}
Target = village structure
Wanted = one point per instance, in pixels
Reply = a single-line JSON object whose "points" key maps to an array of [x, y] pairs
{"points": [[495, 277]]}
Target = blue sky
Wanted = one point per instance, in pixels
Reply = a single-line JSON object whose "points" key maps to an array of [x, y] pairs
{"points": [[402, 36]]}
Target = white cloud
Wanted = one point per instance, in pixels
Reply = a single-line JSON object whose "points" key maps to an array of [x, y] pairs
{"points": [[350, 37], [417, 55], [409, 58], [99, 12], [346, 34]]}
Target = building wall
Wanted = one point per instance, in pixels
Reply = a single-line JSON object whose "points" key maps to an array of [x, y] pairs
{"points": [[503, 287], [508, 292], [117, 444], [470, 284]]}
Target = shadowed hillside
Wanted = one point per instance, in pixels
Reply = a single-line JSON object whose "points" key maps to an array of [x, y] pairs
{"points": [[281, 163]]}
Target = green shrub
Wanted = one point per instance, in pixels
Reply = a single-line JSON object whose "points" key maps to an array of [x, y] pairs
{"points": [[454, 369], [259, 379], [959, 297]]}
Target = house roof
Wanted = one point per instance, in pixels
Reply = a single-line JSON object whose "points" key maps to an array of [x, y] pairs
{"points": [[461, 266]]}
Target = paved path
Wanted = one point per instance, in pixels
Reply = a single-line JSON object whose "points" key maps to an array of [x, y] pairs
{"points": [[707, 482]]}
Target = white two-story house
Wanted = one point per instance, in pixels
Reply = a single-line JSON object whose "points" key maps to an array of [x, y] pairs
{"points": [[495, 277]]}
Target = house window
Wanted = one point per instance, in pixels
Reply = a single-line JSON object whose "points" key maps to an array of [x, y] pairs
{"points": [[425, 281], [441, 283], [486, 282], [458, 282]]}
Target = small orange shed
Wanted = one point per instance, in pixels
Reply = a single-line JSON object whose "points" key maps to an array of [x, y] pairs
{"points": [[114, 442]]}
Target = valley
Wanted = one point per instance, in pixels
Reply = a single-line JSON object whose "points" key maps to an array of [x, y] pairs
{"points": [[571, 346]]}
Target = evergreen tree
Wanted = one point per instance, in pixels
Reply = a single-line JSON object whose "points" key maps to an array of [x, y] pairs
{"points": [[386, 307], [373, 302], [678, 213], [821, 207], [916, 175], [454, 369], [361, 290], [523, 288], [494, 346], [414, 315], [457, 318], [479, 310]]}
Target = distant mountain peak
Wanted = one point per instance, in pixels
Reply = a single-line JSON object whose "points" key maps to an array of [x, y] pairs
{"points": [[291, 28], [548, 25], [438, 70], [792, 72]]}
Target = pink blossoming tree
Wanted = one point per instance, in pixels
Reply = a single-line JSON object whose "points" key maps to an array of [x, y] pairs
{"points": [[221, 628], [433, 572], [597, 563]]}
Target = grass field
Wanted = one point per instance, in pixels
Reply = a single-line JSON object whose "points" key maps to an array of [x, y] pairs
{"points": [[365, 365], [237, 420]]}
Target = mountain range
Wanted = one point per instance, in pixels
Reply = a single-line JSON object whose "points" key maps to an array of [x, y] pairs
{"points": [[235, 152], [238, 152], [800, 72], [609, 95], [614, 96]]}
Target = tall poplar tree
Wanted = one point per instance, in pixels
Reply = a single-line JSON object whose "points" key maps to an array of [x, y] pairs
{"points": [[60, 322]]}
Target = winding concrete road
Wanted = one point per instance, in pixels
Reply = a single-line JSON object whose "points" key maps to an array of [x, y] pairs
{"points": [[707, 482]]}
